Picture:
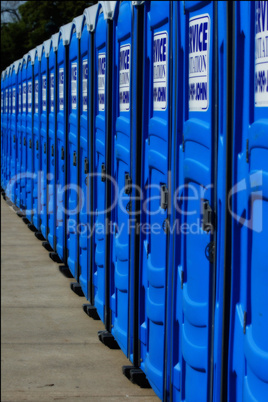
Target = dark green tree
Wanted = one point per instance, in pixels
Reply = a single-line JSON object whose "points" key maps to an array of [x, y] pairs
{"points": [[38, 21]]}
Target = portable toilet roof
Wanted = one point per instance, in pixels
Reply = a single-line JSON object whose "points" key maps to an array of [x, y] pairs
{"points": [[108, 8], [39, 50], [65, 32], [46, 45], [78, 21], [55, 41], [90, 14], [32, 55]]}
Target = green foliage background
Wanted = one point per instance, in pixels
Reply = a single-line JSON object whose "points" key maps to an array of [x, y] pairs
{"points": [[39, 20]]}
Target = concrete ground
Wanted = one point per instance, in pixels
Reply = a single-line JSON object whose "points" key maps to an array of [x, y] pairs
{"points": [[50, 348]]}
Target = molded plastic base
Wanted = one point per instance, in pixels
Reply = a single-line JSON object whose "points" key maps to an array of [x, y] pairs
{"points": [[91, 311], [47, 246], [108, 340], [32, 227], [65, 271], [55, 257], [25, 220], [136, 376], [76, 288], [39, 236]]}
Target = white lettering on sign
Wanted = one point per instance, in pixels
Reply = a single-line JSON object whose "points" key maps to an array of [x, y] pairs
{"points": [[44, 93], [52, 88], [24, 97], [29, 97], [199, 40], [160, 64], [14, 101], [36, 100], [74, 85], [261, 54], [61, 85], [85, 83], [124, 78], [101, 80], [19, 98]]}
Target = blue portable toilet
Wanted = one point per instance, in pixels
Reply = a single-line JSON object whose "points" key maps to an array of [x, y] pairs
{"points": [[3, 130], [61, 135], [36, 139], [73, 140], [85, 152], [18, 137], [23, 134], [156, 187], [13, 132], [248, 337], [201, 163], [52, 114], [2, 123], [8, 144], [102, 126], [29, 137], [43, 137], [123, 163]]}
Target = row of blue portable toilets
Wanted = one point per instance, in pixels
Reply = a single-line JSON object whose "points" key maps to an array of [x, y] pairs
{"points": [[152, 118]]}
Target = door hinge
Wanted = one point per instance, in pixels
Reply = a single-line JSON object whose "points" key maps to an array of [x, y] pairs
{"points": [[245, 322], [86, 166], [24, 141], [45, 147], [74, 158], [208, 217], [37, 145], [247, 153], [52, 150], [183, 145], [62, 153], [128, 183], [164, 197], [211, 252], [103, 172], [30, 143]]}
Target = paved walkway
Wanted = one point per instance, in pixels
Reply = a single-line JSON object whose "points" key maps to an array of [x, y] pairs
{"points": [[50, 347]]}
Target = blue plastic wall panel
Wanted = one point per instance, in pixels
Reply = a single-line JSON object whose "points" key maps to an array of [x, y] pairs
{"points": [[194, 307], [248, 348], [156, 181], [23, 136], [51, 183], [36, 142], [19, 140], [43, 144], [72, 155], [61, 150], [85, 162], [13, 135], [99, 185], [29, 141], [121, 169]]}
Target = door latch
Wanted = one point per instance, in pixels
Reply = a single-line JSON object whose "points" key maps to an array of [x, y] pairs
{"points": [[86, 166], [37, 145], [74, 158], [52, 150], [62, 153], [164, 197], [208, 217], [103, 172], [45, 147], [30, 143], [128, 183]]}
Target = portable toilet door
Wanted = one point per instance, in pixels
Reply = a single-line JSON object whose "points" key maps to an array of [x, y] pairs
{"points": [[85, 154], [248, 336], [73, 140], [43, 137], [9, 109], [2, 126], [121, 172], [102, 126], [156, 146], [36, 139], [18, 141], [13, 131], [52, 113], [61, 156], [196, 311], [23, 133], [29, 137]]}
